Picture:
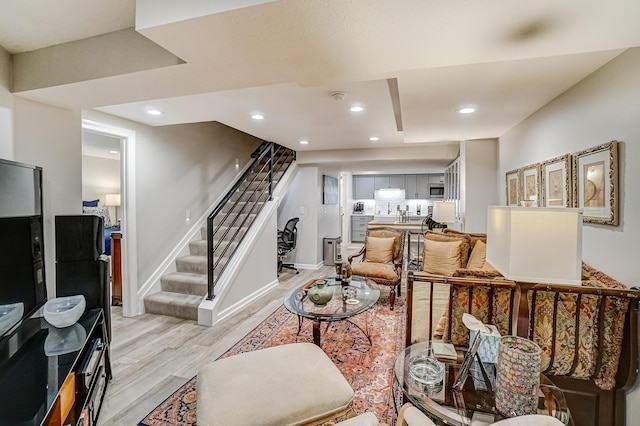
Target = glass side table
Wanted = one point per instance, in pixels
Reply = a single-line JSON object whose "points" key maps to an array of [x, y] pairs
{"points": [[476, 402], [361, 298]]}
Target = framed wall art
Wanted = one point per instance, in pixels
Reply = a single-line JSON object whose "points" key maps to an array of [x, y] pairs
{"points": [[329, 190], [530, 184], [512, 181], [595, 183], [557, 190]]}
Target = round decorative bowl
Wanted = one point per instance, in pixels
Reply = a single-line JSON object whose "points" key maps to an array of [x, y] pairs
{"points": [[426, 370], [10, 315], [64, 311]]}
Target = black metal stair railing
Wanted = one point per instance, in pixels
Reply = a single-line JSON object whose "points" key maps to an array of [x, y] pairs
{"points": [[231, 218]]}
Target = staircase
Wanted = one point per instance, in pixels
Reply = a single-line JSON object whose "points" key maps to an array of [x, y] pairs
{"points": [[183, 290]]}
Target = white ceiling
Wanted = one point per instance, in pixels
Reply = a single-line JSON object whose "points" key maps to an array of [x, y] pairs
{"points": [[283, 58]]}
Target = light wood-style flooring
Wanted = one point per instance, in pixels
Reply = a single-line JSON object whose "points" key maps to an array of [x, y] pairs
{"points": [[153, 355]]}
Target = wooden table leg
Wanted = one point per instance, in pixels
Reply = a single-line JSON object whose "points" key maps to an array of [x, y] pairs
{"points": [[116, 262], [316, 332]]}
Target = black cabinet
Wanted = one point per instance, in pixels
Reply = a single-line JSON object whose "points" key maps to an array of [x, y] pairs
{"points": [[51, 376]]}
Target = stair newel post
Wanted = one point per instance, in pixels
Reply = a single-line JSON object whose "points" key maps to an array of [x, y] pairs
{"points": [[210, 263], [271, 149]]}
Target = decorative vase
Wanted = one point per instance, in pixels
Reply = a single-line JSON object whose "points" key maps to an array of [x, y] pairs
{"points": [[320, 293], [517, 376]]}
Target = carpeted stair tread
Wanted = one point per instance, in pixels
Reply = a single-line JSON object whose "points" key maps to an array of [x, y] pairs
{"points": [[185, 283], [192, 264], [203, 232], [190, 278], [230, 220], [195, 264], [173, 304]]}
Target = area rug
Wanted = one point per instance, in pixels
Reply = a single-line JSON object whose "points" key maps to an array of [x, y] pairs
{"points": [[367, 367]]}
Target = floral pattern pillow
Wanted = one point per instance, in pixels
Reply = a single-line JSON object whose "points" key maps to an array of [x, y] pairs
{"points": [[102, 211]]}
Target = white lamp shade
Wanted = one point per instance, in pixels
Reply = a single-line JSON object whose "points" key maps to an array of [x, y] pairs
{"points": [[444, 211], [537, 245], [112, 200]]}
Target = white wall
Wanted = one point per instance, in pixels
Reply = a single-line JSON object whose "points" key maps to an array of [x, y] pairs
{"points": [[51, 137], [317, 220], [6, 106], [303, 200], [601, 108], [178, 168], [100, 176], [479, 162]]}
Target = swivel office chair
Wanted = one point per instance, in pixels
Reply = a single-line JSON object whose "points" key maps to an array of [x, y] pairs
{"points": [[286, 243]]}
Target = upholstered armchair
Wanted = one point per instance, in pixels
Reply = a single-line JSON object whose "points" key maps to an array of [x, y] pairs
{"points": [[382, 257]]}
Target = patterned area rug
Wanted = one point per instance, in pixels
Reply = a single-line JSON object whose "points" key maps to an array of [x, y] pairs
{"points": [[367, 367]]}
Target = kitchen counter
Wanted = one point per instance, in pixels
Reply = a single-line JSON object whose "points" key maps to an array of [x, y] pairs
{"points": [[392, 218]]}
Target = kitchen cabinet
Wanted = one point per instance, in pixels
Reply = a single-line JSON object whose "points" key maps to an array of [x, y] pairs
{"points": [[396, 181], [410, 187], [388, 181], [381, 182], [363, 187], [436, 178], [416, 186], [422, 186], [359, 225]]}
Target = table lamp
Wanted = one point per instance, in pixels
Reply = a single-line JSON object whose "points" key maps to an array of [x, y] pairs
{"points": [[444, 211], [113, 200], [536, 245]]}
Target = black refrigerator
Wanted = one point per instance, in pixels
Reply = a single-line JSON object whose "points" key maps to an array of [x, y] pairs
{"points": [[81, 266]]}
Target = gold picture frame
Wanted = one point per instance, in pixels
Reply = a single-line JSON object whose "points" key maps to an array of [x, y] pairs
{"points": [[513, 183], [595, 183], [530, 184], [556, 183]]}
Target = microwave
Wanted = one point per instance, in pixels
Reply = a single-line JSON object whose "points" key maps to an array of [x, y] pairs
{"points": [[436, 191]]}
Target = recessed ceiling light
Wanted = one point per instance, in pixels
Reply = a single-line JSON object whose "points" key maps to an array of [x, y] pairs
{"points": [[304, 142], [356, 108], [374, 138], [257, 116], [154, 111], [113, 152], [467, 110]]}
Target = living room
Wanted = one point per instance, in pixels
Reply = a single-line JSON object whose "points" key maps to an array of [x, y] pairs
{"points": [[600, 108]]}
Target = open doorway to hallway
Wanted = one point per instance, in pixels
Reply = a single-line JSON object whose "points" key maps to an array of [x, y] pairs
{"points": [[101, 187]]}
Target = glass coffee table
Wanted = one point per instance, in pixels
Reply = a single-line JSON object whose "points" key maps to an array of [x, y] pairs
{"points": [[349, 299], [475, 403]]}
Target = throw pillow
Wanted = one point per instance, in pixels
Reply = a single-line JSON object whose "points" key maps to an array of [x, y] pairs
{"points": [[441, 257], [465, 246], [478, 255], [475, 237], [92, 203], [379, 250], [102, 211]]}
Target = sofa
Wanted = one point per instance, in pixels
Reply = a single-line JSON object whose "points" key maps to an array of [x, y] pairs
{"points": [[588, 334]]}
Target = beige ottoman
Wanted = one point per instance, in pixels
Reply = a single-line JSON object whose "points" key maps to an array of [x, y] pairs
{"points": [[295, 384]]}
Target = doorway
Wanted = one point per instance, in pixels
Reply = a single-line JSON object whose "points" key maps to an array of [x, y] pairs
{"points": [[121, 203]]}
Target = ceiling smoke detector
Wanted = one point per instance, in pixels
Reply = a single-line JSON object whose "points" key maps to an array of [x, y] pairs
{"points": [[338, 96]]}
